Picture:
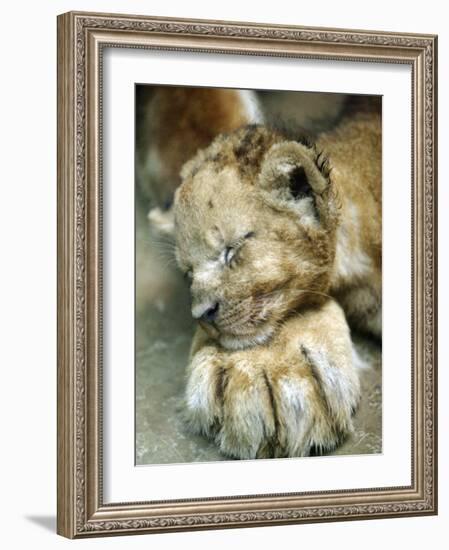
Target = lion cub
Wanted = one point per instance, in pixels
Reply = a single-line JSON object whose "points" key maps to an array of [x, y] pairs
{"points": [[282, 247]]}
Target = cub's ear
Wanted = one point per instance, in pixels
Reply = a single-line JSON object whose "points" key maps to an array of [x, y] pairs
{"points": [[293, 178], [162, 221]]}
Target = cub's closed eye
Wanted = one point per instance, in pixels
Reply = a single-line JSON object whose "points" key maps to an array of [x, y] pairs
{"points": [[229, 254]]}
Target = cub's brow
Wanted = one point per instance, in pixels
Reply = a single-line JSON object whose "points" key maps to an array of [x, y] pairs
{"points": [[243, 238], [237, 243]]}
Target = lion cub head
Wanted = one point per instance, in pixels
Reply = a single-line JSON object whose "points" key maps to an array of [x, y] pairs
{"points": [[255, 222]]}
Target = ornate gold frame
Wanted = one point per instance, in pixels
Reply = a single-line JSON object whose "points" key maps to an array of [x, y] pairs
{"points": [[81, 38]]}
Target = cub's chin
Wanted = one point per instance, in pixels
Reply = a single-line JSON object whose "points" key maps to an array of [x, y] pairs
{"points": [[242, 341]]}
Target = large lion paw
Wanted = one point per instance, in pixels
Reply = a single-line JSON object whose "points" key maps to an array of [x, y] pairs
{"points": [[263, 402]]}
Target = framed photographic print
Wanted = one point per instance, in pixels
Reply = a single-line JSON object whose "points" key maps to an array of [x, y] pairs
{"points": [[246, 274]]}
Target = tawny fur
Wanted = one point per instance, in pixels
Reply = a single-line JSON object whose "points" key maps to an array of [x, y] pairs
{"points": [[278, 233], [279, 399], [175, 123], [172, 124]]}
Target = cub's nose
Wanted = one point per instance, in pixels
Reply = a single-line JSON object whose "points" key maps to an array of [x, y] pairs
{"points": [[207, 313]]}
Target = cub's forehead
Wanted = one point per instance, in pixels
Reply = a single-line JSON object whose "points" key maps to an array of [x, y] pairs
{"points": [[210, 195], [212, 208]]}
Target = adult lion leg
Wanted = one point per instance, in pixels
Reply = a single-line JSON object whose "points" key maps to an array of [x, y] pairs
{"points": [[281, 399]]}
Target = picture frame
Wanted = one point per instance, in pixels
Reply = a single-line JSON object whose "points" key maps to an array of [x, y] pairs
{"points": [[82, 41]]}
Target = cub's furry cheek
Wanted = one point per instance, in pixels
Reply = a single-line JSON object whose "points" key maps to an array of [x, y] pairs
{"points": [[162, 221]]}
